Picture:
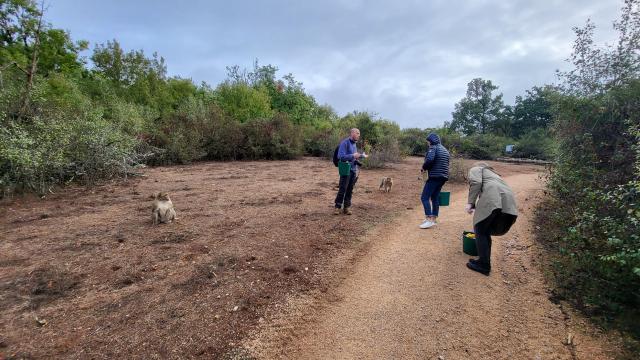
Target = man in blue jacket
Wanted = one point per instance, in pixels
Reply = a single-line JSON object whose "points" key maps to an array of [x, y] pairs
{"points": [[436, 162], [348, 152]]}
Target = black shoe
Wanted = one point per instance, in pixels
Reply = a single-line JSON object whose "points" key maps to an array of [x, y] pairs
{"points": [[479, 268], [477, 262]]}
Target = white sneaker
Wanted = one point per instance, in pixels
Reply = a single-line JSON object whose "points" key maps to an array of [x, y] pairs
{"points": [[426, 224]]}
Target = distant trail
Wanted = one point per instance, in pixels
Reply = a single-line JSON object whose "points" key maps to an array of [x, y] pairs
{"points": [[411, 297]]}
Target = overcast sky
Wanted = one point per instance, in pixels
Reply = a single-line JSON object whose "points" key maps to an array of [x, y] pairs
{"points": [[408, 61]]}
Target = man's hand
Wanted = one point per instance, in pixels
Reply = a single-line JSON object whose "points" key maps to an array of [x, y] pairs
{"points": [[357, 155], [469, 209]]}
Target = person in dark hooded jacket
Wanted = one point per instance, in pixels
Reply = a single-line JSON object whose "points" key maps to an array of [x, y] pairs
{"points": [[436, 162]]}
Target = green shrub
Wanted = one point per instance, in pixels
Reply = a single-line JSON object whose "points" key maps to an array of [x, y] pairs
{"points": [[413, 141], [479, 147], [226, 138], [593, 217], [457, 169], [321, 142], [386, 151], [46, 153], [536, 144], [272, 139], [243, 102], [183, 134]]}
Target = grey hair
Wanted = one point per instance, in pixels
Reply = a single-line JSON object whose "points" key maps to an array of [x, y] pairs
{"points": [[354, 130]]}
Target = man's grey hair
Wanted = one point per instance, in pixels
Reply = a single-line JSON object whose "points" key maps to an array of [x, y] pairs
{"points": [[354, 130]]}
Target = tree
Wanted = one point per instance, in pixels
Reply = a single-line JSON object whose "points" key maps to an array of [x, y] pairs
{"points": [[58, 53], [23, 34], [533, 111], [598, 69], [243, 102], [479, 110], [286, 95], [21, 25], [126, 69], [134, 76]]}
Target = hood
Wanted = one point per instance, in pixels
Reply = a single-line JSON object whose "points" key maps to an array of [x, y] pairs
{"points": [[433, 139]]}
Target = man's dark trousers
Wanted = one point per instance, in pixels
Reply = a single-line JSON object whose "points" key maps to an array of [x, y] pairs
{"points": [[497, 224], [345, 190]]}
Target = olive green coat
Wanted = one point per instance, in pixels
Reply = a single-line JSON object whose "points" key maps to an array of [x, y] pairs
{"points": [[487, 191]]}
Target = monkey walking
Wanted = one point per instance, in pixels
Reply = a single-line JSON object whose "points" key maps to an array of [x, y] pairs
{"points": [[386, 184], [162, 210]]}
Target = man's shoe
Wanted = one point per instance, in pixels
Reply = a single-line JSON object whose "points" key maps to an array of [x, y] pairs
{"points": [[337, 211], [479, 268], [347, 211], [473, 261], [426, 224]]}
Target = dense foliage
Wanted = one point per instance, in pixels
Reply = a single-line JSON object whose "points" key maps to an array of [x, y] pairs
{"points": [[592, 220]]}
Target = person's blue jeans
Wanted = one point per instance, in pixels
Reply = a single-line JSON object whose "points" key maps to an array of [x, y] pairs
{"points": [[431, 196]]}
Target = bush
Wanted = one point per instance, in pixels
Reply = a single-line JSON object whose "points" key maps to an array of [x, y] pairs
{"points": [[594, 216], [457, 169], [413, 141], [99, 151], [536, 144], [226, 138], [183, 134], [272, 139], [46, 153], [387, 150], [321, 142], [243, 102], [478, 147]]}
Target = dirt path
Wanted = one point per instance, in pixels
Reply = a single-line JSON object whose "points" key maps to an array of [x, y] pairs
{"points": [[411, 297]]}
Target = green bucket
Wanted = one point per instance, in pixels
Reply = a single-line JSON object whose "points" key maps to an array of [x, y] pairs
{"points": [[445, 196], [469, 244], [344, 168]]}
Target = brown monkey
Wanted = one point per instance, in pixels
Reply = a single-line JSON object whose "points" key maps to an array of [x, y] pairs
{"points": [[386, 184], [162, 210]]}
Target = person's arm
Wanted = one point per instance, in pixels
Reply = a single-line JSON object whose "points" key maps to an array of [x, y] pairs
{"points": [[475, 188], [343, 152], [429, 158]]}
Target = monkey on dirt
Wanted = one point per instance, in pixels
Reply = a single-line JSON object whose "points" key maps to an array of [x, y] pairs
{"points": [[386, 184], [162, 210]]}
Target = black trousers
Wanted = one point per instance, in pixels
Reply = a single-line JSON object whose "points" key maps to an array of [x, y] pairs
{"points": [[498, 223], [346, 189]]}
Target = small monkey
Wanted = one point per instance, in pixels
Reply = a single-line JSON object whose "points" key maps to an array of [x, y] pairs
{"points": [[162, 210], [386, 184]]}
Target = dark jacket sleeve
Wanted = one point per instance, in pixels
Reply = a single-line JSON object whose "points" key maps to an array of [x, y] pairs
{"points": [[429, 158]]}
